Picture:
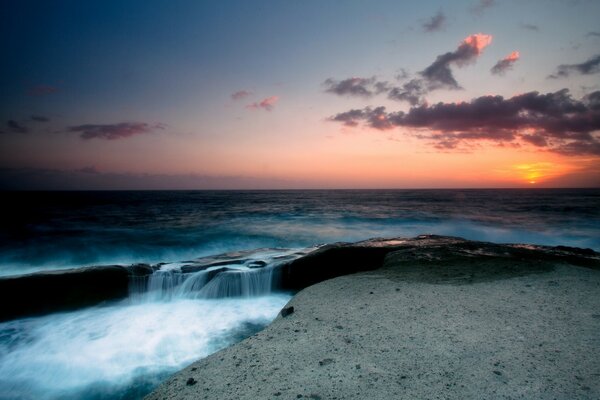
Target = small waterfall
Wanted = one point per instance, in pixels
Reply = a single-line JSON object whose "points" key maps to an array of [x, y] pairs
{"points": [[162, 285], [244, 283], [209, 284], [138, 286], [241, 274]]}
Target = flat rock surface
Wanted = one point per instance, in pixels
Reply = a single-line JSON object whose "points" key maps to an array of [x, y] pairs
{"points": [[420, 329]]}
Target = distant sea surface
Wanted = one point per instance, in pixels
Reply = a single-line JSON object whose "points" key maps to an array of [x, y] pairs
{"points": [[55, 230]]}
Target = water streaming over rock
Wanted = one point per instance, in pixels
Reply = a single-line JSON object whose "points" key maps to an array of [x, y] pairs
{"points": [[211, 284], [244, 275]]}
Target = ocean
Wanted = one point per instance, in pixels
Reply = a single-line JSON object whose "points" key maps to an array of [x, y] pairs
{"points": [[121, 350]]}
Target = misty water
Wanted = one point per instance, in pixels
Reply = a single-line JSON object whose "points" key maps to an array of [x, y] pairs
{"points": [[121, 350]]}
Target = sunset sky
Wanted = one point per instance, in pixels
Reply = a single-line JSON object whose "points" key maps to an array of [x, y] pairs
{"points": [[299, 94]]}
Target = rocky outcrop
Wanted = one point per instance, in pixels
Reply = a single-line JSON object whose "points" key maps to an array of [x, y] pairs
{"points": [[429, 317], [440, 252], [46, 292]]}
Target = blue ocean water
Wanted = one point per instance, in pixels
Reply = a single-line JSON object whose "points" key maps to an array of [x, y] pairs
{"points": [[52, 230], [123, 349]]}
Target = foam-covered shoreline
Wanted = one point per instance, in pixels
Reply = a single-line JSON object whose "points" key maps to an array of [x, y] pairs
{"points": [[430, 317]]}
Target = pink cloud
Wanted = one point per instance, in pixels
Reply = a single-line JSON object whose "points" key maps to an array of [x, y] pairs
{"points": [[478, 41], [505, 64], [266, 104], [240, 94]]}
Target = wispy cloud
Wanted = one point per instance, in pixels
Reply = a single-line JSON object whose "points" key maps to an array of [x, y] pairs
{"points": [[240, 94], [413, 92], [482, 6], [16, 127], [114, 131], [552, 121], [361, 87], [529, 27], [91, 178], [39, 118], [266, 104], [505, 64], [89, 170], [42, 90], [593, 34], [436, 23], [591, 66]]}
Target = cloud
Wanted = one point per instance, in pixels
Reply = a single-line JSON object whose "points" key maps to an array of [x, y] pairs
{"points": [[593, 34], [88, 170], [505, 64], [402, 74], [591, 66], [360, 87], [435, 23], [42, 90], [14, 126], [240, 94], [529, 27], [266, 104], [439, 74], [113, 131], [90, 178], [39, 118], [552, 121], [481, 6], [413, 92]]}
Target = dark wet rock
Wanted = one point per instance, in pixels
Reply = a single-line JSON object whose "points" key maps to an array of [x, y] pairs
{"points": [[326, 361], [140, 270], [287, 311], [201, 266], [46, 292], [331, 261], [256, 264], [191, 381], [431, 258]]}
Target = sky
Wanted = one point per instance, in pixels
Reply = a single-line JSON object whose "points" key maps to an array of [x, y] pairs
{"points": [[299, 94]]}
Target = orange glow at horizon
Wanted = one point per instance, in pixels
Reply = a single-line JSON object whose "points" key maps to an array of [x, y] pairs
{"points": [[534, 173]]}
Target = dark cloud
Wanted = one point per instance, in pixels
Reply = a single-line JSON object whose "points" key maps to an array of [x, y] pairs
{"points": [[530, 27], [435, 23], [39, 118], [240, 94], [591, 66], [593, 34], [361, 87], [89, 178], [552, 121], [42, 90], [402, 74], [266, 104], [413, 92], [439, 74], [88, 170], [14, 126], [113, 131], [505, 64], [481, 6]]}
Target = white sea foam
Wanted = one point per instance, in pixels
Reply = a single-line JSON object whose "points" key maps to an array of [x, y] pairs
{"points": [[63, 354]]}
